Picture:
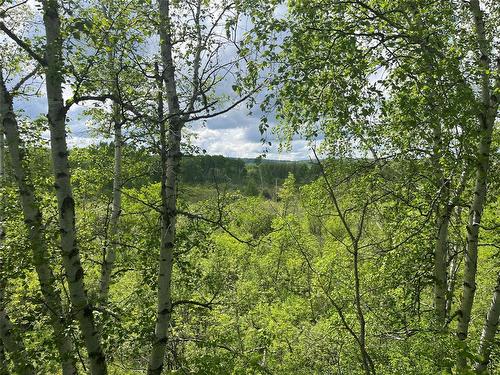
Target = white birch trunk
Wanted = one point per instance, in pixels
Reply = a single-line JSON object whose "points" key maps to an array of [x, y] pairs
{"points": [[170, 155], [33, 220], [2, 150], [66, 204], [440, 264], [455, 260], [170, 140], [109, 253], [475, 213], [442, 225], [486, 118], [455, 256], [489, 330], [4, 369], [110, 246]]}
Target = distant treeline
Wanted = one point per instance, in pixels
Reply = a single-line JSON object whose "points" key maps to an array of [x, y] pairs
{"points": [[255, 175], [251, 176]]}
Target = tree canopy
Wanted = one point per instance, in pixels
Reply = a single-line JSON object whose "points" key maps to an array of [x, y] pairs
{"points": [[377, 252]]}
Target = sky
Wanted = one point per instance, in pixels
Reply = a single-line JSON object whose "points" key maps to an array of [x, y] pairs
{"points": [[234, 134]]}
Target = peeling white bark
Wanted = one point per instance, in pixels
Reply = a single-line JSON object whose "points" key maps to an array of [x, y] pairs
{"points": [[486, 119], [2, 151], [33, 220], [110, 246], [170, 157], [442, 225], [66, 204], [489, 330]]}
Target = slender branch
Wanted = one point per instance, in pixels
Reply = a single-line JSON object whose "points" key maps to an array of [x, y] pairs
{"points": [[333, 197], [24, 79], [207, 305], [4, 12], [227, 109], [215, 222], [21, 43]]}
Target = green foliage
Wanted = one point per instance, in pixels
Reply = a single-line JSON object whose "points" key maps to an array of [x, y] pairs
{"points": [[269, 275], [279, 267]]}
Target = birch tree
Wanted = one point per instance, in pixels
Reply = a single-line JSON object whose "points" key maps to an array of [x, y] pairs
{"points": [[108, 42], [53, 65], [488, 61], [34, 224], [452, 72], [109, 255], [66, 204], [116, 122], [489, 330], [3, 362], [203, 25]]}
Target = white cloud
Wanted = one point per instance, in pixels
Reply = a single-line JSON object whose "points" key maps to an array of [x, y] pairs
{"points": [[240, 141], [234, 134]]}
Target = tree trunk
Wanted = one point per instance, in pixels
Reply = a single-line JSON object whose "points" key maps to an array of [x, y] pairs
{"points": [[12, 343], [33, 220], [355, 238], [66, 204], [486, 118], [475, 213], [440, 265], [109, 252], [455, 260], [4, 369], [170, 158], [170, 155], [489, 330], [110, 246], [442, 225], [455, 252], [368, 365], [2, 150]]}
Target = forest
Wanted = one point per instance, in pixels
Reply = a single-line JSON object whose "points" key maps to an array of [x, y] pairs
{"points": [[129, 246]]}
